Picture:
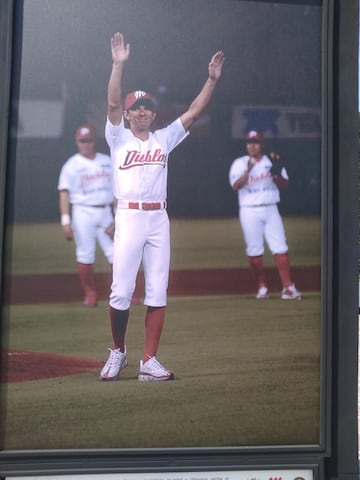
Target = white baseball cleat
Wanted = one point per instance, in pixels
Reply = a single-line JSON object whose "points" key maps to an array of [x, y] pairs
{"points": [[153, 371], [117, 361], [263, 292], [290, 293]]}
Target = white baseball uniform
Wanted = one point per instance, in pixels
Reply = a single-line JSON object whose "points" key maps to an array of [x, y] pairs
{"points": [[90, 186], [142, 231], [258, 211]]}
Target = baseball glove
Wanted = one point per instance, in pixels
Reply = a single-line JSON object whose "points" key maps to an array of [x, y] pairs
{"points": [[277, 164]]}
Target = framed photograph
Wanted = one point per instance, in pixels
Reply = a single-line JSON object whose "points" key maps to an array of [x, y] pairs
{"points": [[262, 309]]}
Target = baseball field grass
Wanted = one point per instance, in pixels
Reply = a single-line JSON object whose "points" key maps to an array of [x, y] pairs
{"points": [[200, 243], [247, 372]]}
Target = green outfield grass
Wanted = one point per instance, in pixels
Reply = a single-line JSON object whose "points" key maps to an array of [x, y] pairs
{"points": [[199, 243], [247, 373]]}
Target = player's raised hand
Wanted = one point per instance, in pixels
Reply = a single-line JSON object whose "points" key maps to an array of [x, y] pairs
{"points": [[119, 50], [215, 65]]}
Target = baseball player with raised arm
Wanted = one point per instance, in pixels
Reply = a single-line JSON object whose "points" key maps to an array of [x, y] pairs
{"points": [[257, 178], [142, 232], [85, 199]]}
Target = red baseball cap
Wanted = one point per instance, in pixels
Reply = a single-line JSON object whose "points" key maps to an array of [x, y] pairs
{"points": [[139, 97], [85, 132], [254, 136]]}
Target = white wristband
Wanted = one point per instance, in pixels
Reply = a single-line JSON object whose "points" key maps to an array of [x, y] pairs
{"points": [[65, 219]]}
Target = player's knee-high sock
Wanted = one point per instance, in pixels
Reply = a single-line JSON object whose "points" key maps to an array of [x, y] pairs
{"points": [[118, 320], [257, 267], [283, 265], [154, 321], [87, 276], [87, 280]]}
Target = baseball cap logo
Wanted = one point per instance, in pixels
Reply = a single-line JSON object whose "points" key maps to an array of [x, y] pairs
{"points": [[255, 136], [85, 132], [138, 96], [139, 93]]}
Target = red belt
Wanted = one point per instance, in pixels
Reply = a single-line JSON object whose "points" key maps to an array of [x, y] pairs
{"points": [[147, 205]]}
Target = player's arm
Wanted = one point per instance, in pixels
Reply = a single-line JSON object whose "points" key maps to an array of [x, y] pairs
{"points": [[281, 182], [120, 53], [201, 101], [242, 180], [64, 205]]}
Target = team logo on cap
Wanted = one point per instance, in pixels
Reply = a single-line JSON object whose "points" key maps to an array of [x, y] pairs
{"points": [[139, 93], [137, 96], [254, 136]]}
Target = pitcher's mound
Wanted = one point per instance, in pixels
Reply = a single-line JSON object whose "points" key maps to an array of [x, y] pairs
{"points": [[22, 366]]}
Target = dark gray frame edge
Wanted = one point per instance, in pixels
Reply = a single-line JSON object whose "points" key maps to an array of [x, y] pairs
{"points": [[242, 458]]}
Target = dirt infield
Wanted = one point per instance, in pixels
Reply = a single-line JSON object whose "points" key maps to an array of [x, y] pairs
{"points": [[19, 366], [54, 288]]}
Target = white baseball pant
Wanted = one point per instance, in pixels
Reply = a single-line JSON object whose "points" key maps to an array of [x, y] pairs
{"points": [[140, 235], [89, 224], [259, 223]]}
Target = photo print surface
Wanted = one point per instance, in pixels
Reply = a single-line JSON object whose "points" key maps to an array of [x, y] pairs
{"points": [[246, 362]]}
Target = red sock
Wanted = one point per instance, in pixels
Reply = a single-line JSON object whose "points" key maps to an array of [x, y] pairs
{"points": [[154, 321], [118, 321], [87, 277], [283, 265], [256, 266]]}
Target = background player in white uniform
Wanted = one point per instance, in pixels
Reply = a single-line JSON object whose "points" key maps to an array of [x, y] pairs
{"points": [[86, 199], [142, 231], [257, 180]]}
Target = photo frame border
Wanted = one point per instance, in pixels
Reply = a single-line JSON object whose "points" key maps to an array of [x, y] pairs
{"points": [[337, 452]]}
